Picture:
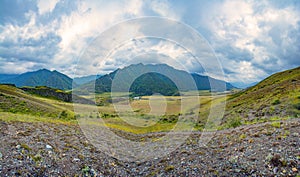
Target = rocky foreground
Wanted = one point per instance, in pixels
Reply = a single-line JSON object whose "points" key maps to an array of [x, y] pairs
{"points": [[39, 149]]}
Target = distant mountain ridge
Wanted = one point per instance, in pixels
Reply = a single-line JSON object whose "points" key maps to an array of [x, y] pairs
{"points": [[160, 78], [42, 77], [85, 79], [4, 77], [138, 78]]}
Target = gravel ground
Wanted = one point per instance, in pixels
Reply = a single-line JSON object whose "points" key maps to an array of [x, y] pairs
{"points": [[41, 149]]}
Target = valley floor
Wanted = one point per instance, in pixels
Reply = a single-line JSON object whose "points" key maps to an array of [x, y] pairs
{"points": [[54, 149]]}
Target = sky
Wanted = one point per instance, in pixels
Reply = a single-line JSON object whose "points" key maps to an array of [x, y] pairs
{"points": [[250, 39]]}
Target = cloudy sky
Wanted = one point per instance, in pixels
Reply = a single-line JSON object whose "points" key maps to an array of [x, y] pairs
{"points": [[251, 39]]}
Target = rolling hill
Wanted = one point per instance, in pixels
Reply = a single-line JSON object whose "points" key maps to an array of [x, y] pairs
{"points": [[41, 77], [141, 79], [277, 96]]}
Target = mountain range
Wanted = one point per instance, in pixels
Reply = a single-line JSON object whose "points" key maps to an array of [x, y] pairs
{"points": [[139, 79], [148, 79]]}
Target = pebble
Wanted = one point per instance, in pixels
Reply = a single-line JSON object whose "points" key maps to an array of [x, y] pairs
{"points": [[275, 170], [75, 160], [294, 169], [0, 155], [48, 146]]}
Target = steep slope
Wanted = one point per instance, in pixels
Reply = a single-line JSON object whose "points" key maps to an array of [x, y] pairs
{"points": [[42, 77], [275, 96], [207, 83], [183, 80]]}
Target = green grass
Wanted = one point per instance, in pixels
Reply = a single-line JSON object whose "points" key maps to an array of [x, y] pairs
{"points": [[12, 117], [119, 124], [274, 99], [276, 96]]}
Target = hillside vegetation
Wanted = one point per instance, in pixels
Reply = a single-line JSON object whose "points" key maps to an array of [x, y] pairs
{"points": [[16, 101], [277, 96]]}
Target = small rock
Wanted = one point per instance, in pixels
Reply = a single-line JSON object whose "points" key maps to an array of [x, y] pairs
{"points": [[294, 169], [237, 170], [284, 171], [18, 146], [0, 155], [48, 146], [75, 160], [295, 134], [275, 170]]}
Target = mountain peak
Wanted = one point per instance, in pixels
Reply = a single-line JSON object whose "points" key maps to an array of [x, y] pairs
{"points": [[42, 77], [44, 69]]}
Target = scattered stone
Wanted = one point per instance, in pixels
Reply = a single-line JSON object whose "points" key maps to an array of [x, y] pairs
{"points": [[76, 160], [48, 147], [240, 158], [275, 170], [0, 155]]}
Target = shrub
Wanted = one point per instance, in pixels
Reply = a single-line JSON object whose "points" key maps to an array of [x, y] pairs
{"points": [[234, 122], [276, 102], [275, 124], [63, 114], [297, 106]]}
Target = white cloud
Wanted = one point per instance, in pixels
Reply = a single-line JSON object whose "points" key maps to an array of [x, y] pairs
{"points": [[45, 6], [13, 33], [12, 68], [164, 9], [91, 18], [256, 36], [247, 26]]}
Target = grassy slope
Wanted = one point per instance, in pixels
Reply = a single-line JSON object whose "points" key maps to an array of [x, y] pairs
{"points": [[278, 96], [14, 100]]}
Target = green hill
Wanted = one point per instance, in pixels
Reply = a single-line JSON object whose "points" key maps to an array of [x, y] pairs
{"points": [[151, 83], [277, 96]]}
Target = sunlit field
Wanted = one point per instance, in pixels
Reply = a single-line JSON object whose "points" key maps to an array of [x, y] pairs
{"points": [[154, 113]]}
